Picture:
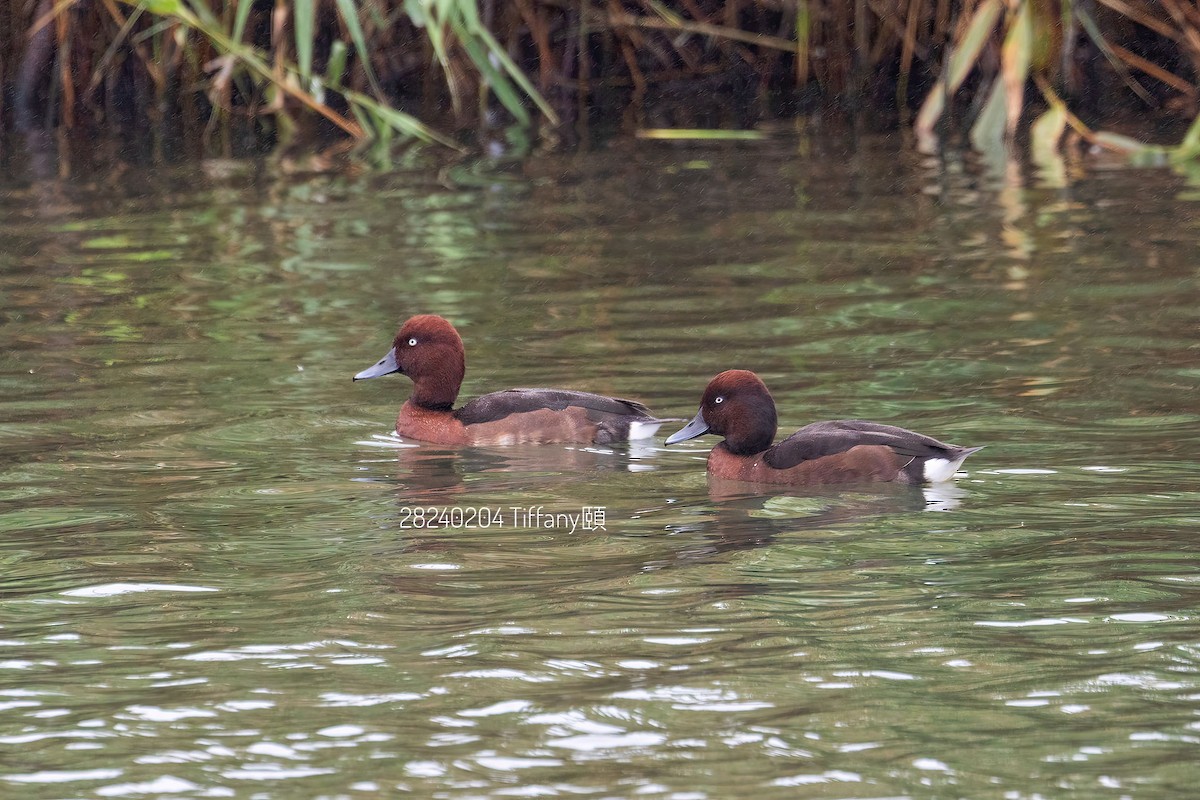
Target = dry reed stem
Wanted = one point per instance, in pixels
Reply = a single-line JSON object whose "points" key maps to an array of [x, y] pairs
{"points": [[1143, 18], [67, 85], [1188, 20], [839, 46], [1153, 70], [622, 19]]}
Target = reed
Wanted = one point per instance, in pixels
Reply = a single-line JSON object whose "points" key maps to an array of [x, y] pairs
{"points": [[228, 75]]}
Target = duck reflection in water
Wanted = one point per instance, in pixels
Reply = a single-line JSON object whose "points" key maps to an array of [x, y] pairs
{"points": [[434, 475]]}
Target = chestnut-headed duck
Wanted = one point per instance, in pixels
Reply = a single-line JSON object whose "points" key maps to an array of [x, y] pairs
{"points": [[738, 406], [429, 351]]}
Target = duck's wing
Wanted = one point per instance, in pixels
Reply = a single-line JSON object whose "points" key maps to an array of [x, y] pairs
{"points": [[498, 405], [822, 439]]}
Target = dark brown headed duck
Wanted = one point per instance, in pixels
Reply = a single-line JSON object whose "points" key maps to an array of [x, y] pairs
{"points": [[429, 351], [738, 406]]}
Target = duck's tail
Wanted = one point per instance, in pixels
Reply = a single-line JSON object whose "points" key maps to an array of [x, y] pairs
{"points": [[646, 428], [943, 469]]}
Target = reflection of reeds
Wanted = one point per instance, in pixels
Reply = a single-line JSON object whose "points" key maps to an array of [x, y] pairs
{"points": [[215, 70]]}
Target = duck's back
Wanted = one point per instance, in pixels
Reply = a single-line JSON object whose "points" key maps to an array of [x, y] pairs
{"points": [[925, 458], [555, 415]]}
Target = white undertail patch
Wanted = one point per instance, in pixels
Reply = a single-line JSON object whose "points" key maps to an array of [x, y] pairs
{"points": [[943, 469], [940, 469], [644, 430]]}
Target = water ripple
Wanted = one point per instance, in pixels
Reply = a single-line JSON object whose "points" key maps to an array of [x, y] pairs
{"points": [[212, 585]]}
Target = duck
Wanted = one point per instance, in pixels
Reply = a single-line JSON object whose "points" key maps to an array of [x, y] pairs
{"points": [[738, 406], [428, 350]]}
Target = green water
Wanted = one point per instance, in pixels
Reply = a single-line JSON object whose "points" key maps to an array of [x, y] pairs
{"points": [[216, 584]]}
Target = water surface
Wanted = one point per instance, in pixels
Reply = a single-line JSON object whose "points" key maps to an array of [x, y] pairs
{"points": [[217, 584]]}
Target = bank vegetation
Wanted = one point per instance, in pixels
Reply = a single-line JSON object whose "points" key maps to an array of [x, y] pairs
{"points": [[236, 76]]}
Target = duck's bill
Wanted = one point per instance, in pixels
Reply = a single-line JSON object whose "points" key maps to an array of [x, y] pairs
{"points": [[697, 427], [385, 366]]}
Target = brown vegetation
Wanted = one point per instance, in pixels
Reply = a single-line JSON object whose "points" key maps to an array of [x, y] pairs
{"points": [[230, 76]]}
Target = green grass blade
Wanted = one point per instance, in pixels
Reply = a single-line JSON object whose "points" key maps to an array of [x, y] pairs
{"points": [[803, 32], [665, 13], [240, 16], [305, 15], [196, 14], [350, 16], [1123, 144], [517, 74], [411, 126], [395, 120], [461, 17], [962, 60], [496, 80], [966, 53], [701, 134], [987, 134], [337, 63], [1190, 146], [376, 121], [160, 7], [417, 12], [1044, 135], [465, 10], [1015, 57]]}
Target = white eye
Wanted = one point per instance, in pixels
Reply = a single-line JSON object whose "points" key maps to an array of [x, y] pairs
{"points": [[412, 342], [718, 401]]}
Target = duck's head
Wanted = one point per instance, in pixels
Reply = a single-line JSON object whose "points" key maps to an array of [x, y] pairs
{"points": [[429, 351], [736, 405]]}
